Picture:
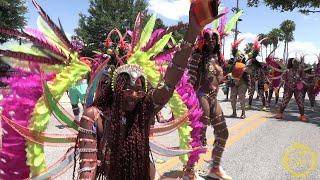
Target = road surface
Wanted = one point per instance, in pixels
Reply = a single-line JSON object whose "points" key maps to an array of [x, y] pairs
{"points": [[259, 147]]}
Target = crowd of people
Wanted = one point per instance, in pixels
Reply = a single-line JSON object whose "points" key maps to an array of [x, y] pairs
{"points": [[130, 90]]}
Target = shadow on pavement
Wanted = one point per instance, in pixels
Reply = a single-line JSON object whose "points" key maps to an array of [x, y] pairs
{"points": [[291, 112]]}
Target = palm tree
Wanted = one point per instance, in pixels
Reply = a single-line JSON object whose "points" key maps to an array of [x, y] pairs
{"points": [[261, 36], [274, 37], [287, 27], [266, 43], [248, 48]]}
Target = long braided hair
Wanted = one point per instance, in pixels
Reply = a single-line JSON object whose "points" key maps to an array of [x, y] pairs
{"points": [[129, 148]]}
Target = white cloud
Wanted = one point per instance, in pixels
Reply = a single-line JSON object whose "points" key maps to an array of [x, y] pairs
{"points": [[170, 9]]}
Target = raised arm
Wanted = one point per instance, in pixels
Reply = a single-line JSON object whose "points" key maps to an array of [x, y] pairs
{"points": [[175, 70], [90, 125]]}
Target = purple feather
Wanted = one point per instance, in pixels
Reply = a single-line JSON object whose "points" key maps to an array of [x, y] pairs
{"points": [[26, 89], [223, 21], [29, 57], [153, 39], [41, 41]]}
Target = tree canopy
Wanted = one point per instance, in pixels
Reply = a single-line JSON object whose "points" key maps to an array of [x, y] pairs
{"points": [[12, 16], [105, 15], [304, 6]]}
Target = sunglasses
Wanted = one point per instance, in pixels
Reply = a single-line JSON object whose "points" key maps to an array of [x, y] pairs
{"points": [[133, 93]]}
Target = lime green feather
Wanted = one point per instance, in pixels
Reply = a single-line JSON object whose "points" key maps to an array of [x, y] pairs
{"points": [[47, 31], [41, 113], [146, 33], [230, 25], [158, 47], [26, 49]]}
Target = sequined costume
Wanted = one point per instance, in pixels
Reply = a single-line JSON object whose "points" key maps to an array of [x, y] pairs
{"points": [[207, 76], [309, 86], [293, 85], [240, 83], [257, 77]]}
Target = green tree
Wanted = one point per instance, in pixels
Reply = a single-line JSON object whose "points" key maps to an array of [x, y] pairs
{"points": [[178, 35], [287, 27], [12, 16], [275, 35], [105, 15], [304, 6], [266, 44]]}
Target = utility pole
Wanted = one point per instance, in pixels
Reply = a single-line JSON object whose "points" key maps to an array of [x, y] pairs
{"points": [[236, 30]]}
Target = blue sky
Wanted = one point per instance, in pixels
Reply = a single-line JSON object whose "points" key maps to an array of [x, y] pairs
{"points": [[255, 20]]}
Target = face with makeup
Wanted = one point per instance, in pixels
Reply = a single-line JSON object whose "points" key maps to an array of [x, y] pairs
{"points": [[133, 92], [211, 41]]}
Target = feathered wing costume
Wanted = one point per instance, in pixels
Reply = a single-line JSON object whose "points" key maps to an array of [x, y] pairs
{"points": [[50, 48], [51, 66]]}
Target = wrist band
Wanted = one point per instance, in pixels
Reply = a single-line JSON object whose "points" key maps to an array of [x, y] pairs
{"points": [[162, 83], [184, 44], [88, 160], [87, 140], [87, 150], [86, 131], [86, 169]]}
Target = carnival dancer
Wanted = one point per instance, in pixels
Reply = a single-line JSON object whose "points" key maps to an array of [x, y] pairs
{"points": [[114, 142], [239, 80], [309, 88], [256, 74], [209, 76], [275, 77], [293, 85]]}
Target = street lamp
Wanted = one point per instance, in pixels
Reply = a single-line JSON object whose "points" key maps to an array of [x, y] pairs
{"points": [[236, 30]]}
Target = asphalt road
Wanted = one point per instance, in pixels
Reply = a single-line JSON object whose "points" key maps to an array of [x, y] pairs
{"points": [[259, 147]]}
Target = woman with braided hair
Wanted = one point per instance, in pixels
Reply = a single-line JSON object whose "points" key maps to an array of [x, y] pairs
{"points": [[114, 140]]}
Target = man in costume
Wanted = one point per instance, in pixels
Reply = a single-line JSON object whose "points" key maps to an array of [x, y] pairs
{"points": [[114, 141], [257, 75], [239, 80], [293, 85], [205, 65]]}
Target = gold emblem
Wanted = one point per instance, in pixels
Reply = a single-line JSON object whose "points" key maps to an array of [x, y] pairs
{"points": [[299, 160]]}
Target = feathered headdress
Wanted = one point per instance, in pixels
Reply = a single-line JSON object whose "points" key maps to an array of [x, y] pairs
{"points": [[235, 45], [53, 52], [256, 46]]}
